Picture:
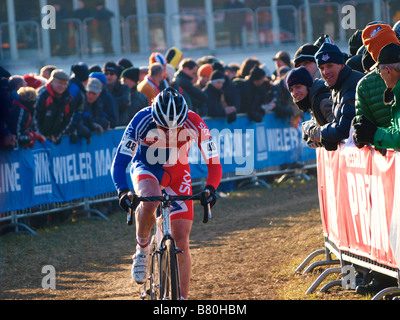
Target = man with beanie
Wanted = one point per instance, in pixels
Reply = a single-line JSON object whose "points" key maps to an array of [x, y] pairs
{"points": [[108, 101], [370, 90], [204, 75], [342, 81], [76, 88], [252, 96], [304, 57], [130, 77], [310, 96], [366, 131], [216, 103], [119, 91], [174, 56]]}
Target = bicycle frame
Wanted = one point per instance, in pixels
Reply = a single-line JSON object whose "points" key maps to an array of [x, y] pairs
{"points": [[165, 247]]}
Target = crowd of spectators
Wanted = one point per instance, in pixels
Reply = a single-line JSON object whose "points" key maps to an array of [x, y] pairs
{"points": [[56, 104], [343, 92]]}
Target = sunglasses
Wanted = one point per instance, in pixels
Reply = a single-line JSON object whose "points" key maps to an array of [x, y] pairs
{"points": [[109, 73]]}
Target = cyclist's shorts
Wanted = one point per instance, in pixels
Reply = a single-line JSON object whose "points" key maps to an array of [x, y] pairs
{"points": [[174, 180]]}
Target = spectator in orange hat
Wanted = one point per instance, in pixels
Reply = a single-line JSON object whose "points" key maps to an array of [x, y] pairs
{"points": [[204, 75], [375, 36]]}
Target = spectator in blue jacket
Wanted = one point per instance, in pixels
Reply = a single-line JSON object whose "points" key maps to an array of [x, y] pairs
{"points": [[342, 81]]}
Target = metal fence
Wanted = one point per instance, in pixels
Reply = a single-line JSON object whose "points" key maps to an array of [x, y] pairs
{"points": [[18, 220]]}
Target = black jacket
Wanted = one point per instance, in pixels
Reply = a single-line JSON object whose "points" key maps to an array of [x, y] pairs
{"points": [[251, 99], [343, 99], [194, 96], [214, 105]]}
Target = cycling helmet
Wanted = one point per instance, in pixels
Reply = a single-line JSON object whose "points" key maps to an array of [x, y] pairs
{"points": [[169, 109]]}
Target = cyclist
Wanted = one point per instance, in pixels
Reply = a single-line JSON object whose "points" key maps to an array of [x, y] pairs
{"points": [[157, 143]]}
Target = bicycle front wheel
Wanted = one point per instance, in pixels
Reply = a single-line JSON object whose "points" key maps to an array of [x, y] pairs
{"points": [[169, 275]]}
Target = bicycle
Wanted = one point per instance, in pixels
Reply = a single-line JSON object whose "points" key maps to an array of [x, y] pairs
{"points": [[163, 280]]}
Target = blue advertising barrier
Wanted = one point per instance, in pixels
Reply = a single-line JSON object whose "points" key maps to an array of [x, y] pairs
{"points": [[50, 173]]}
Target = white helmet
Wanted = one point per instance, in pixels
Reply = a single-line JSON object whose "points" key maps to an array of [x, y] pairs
{"points": [[169, 109]]}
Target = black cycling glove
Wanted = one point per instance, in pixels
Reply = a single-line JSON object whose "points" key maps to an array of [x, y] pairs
{"points": [[211, 199]]}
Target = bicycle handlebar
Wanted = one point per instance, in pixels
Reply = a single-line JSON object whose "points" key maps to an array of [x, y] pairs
{"points": [[166, 197]]}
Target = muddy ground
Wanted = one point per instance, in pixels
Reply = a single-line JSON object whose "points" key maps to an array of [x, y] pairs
{"points": [[248, 251]]}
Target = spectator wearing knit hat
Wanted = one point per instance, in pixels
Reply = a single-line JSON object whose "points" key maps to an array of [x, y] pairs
{"points": [[204, 75], [252, 96], [370, 90], [110, 107], [342, 81], [119, 91], [304, 57], [366, 131], [95, 107], [174, 56], [310, 96], [216, 103], [157, 57], [130, 77], [77, 89]]}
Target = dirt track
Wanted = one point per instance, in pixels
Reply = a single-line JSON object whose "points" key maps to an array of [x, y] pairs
{"points": [[248, 251]]}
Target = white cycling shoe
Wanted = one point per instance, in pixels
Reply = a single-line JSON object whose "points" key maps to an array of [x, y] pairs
{"points": [[140, 266]]}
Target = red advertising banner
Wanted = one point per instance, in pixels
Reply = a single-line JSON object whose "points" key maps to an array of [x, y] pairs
{"points": [[359, 192]]}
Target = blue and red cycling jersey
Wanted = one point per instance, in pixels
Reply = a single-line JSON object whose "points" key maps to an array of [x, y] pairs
{"points": [[155, 155]]}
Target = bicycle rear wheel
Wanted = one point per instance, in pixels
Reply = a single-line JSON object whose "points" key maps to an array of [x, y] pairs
{"points": [[169, 275]]}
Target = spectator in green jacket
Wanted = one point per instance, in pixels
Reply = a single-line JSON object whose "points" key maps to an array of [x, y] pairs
{"points": [[366, 131], [370, 89]]}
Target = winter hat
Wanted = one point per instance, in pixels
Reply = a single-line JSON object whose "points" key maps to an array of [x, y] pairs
{"points": [[111, 66], [157, 57], [81, 71], [305, 53], [257, 73], [131, 73], [32, 82], [299, 76], [99, 75], [376, 36], [355, 42], [329, 53], [355, 63], [388, 55], [206, 70], [94, 85], [174, 57], [217, 75], [124, 63], [367, 61], [94, 68]]}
